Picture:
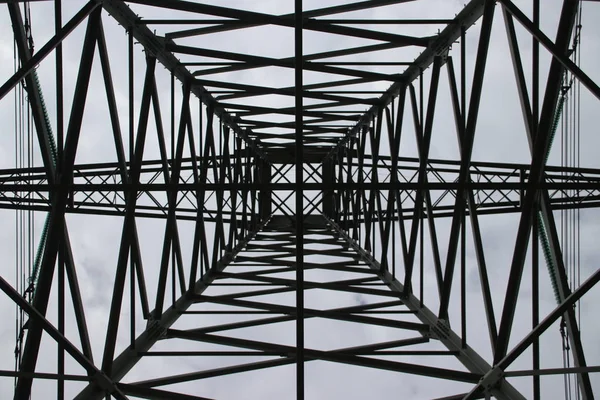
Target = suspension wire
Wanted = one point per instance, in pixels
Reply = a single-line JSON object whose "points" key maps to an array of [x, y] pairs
{"points": [[565, 225], [19, 272], [24, 219], [17, 269], [570, 236], [577, 163]]}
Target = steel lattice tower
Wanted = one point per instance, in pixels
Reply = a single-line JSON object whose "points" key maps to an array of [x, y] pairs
{"points": [[295, 190]]}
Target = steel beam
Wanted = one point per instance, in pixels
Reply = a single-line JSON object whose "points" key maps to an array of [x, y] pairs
{"points": [[465, 354], [155, 329]]}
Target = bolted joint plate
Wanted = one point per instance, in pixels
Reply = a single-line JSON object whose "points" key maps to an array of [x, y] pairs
{"points": [[493, 379]]}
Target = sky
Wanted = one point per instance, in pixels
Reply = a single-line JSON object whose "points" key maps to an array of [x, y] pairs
{"points": [[499, 137]]}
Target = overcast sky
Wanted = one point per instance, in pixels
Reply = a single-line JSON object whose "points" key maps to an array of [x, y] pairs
{"points": [[499, 137]]}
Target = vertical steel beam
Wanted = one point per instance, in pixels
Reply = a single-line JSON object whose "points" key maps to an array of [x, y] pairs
{"points": [[328, 174], [60, 390], [171, 231], [299, 143], [129, 221], [266, 197], [535, 290], [423, 131], [136, 258], [199, 248], [466, 152], [459, 117], [56, 225], [535, 308]]}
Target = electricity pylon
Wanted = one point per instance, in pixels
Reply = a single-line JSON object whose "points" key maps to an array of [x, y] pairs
{"points": [[268, 194]]}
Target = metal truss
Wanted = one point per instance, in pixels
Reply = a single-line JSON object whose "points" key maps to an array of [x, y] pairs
{"points": [[496, 187], [278, 185]]}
